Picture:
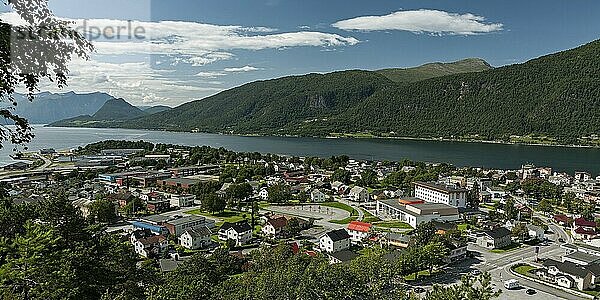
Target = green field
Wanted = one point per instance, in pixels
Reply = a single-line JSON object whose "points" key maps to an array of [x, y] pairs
{"points": [[393, 224], [524, 269], [230, 216]]}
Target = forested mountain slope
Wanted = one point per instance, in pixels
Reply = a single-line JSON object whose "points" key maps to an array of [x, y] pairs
{"points": [[557, 96]]}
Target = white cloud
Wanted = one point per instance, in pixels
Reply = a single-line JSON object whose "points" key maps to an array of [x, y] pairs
{"points": [[242, 69], [181, 46], [419, 21], [210, 74]]}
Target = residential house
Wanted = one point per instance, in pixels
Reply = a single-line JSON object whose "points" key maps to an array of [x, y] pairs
{"points": [[240, 232], [274, 226], [264, 193], [583, 229], [566, 274], [317, 196], [397, 240], [359, 194], [457, 252], [536, 232], [334, 241], [358, 231], [496, 238], [562, 220], [151, 246], [195, 238]]}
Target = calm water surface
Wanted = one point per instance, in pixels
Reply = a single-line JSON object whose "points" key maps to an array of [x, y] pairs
{"points": [[458, 153]]}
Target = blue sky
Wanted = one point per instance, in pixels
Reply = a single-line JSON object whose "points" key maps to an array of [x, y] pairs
{"points": [[274, 38]]}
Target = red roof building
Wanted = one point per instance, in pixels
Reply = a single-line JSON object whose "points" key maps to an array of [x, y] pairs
{"points": [[359, 226], [581, 222], [562, 219]]}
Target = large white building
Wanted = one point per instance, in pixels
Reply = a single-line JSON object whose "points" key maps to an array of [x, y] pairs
{"points": [[414, 211], [437, 193]]}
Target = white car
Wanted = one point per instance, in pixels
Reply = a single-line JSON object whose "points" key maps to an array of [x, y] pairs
{"points": [[512, 284]]}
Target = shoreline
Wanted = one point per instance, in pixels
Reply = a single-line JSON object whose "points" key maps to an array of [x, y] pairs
{"points": [[349, 137]]}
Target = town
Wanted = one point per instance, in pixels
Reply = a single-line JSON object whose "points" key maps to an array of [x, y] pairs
{"points": [[531, 229]]}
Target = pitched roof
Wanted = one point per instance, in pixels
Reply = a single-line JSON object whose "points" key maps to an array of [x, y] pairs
{"points": [[278, 222], [155, 239], [585, 223], [241, 226], [344, 255], [338, 235], [581, 230], [498, 232], [567, 267], [359, 226], [199, 232]]}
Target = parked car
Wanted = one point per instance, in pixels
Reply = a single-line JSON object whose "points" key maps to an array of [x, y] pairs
{"points": [[475, 272], [512, 284], [530, 292]]}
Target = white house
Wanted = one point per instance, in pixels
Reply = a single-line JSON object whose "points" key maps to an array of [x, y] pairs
{"points": [[195, 238], [264, 194], [335, 241], [274, 226], [240, 232], [359, 194], [150, 245], [536, 232], [438, 193], [358, 231], [317, 196], [183, 200]]}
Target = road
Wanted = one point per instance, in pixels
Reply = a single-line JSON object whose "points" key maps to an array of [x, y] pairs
{"points": [[498, 265]]}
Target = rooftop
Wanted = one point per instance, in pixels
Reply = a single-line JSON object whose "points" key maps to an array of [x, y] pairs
{"points": [[583, 257], [439, 187]]}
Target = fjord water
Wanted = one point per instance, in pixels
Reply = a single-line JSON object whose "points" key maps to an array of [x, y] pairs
{"points": [[458, 153]]}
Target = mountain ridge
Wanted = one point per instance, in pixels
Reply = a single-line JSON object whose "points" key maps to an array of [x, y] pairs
{"points": [[555, 96]]}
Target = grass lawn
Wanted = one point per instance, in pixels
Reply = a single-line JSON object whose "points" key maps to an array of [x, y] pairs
{"points": [[393, 224], [524, 269], [510, 247], [230, 216], [341, 206], [424, 273], [369, 218]]}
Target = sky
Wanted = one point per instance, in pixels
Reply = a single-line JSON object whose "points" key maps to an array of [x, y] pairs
{"points": [[186, 50]]}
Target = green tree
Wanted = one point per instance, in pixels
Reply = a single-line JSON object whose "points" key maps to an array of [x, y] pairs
{"points": [[341, 175], [279, 193], [43, 53], [510, 211], [292, 228], [103, 211], [423, 234], [545, 206], [520, 231], [368, 178]]}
